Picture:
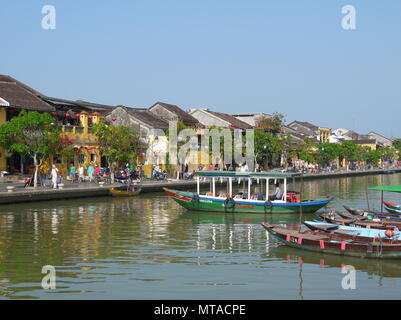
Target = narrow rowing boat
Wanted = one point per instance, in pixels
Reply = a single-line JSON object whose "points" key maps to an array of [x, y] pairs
{"points": [[391, 205], [375, 214], [123, 192], [376, 223], [393, 210], [355, 233], [332, 243]]}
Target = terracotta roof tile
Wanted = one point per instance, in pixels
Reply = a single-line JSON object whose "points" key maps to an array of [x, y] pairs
{"points": [[20, 97], [236, 123]]}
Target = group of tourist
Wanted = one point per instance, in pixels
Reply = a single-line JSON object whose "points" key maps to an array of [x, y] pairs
{"points": [[93, 170], [74, 174]]}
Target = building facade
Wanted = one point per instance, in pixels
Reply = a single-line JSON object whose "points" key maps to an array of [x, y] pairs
{"points": [[14, 97]]}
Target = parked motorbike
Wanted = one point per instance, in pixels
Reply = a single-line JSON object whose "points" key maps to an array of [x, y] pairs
{"points": [[124, 178], [160, 175], [188, 176]]}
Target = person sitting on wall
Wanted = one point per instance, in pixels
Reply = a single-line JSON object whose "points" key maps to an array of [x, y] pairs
{"points": [[277, 194]]}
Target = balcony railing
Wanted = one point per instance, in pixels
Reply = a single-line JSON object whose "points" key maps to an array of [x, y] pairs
{"points": [[79, 130], [76, 130], [68, 129]]}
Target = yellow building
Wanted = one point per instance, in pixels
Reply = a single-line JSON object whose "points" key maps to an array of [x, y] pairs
{"points": [[324, 134], [75, 119], [14, 97]]}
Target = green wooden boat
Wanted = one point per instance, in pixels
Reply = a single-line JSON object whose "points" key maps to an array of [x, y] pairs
{"points": [[245, 202]]}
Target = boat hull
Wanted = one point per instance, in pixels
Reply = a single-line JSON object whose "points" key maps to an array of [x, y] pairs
{"points": [[354, 233], [193, 202], [360, 212], [322, 244], [382, 224], [123, 193]]}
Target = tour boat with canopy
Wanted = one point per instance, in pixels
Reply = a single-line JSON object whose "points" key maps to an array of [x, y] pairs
{"points": [[245, 201]]}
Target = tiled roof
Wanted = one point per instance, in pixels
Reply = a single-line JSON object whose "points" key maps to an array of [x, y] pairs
{"points": [[79, 104], [22, 98], [176, 110], [6, 78], [364, 141], [236, 123], [308, 125], [148, 118]]}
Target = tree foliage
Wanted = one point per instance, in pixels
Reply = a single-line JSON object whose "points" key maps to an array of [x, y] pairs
{"points": [[117, 143], [271, 124], [327, 152], [31, 133], [268, 147], [348, 150], [307, 150]]}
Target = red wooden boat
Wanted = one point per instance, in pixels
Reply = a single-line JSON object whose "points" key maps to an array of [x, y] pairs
{"points": [[382, 224], [332, 243], [392, 205]]}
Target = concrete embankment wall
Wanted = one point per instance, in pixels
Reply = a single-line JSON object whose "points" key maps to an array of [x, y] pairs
{"points": [[347, 174], [21, 195]]}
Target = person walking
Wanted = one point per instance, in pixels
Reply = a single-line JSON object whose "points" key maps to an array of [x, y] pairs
{"points": [[91, 170], [97, 170], [81, 174], [132, 168], [54, 176], [72, 173]]}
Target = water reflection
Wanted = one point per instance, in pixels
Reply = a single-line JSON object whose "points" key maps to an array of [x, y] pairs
{"points": [[102, 246]]}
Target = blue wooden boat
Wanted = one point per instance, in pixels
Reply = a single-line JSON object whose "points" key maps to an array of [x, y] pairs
{"points": [[393, 210], [369, 214], [376, 223], [358, 233]]}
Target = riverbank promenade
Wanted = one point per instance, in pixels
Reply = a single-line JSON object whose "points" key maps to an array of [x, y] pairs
{"points": [[17, 193]]}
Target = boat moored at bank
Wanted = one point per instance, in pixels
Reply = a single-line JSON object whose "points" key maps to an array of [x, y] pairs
{"points": [[245, 201]]}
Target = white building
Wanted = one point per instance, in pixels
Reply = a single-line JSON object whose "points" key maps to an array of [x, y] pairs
{"points": [[340, 134], [251, 118]]}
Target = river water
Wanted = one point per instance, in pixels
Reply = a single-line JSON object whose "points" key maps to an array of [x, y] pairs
{"points": [[148, 247]]}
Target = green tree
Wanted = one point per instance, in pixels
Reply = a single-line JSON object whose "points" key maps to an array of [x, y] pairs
{"points": [[397, 147], [31, 133], [288, 146], [118, 144], [361, 153], [268, 148], [388, 153], [271, 124], [65, 148], [373, 157], [348, 151], [180, 126], [306, 151], [327, 152]]}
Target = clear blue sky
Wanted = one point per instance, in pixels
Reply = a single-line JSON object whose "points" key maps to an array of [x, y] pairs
{"points": [[289, 56]]}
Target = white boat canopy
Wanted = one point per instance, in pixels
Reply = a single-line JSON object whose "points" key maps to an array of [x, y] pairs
{"points": [[255, 175], [230, 175]]}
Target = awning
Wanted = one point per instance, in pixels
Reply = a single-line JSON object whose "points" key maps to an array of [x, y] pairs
{"points": [[396, 188], [255, 175]]}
